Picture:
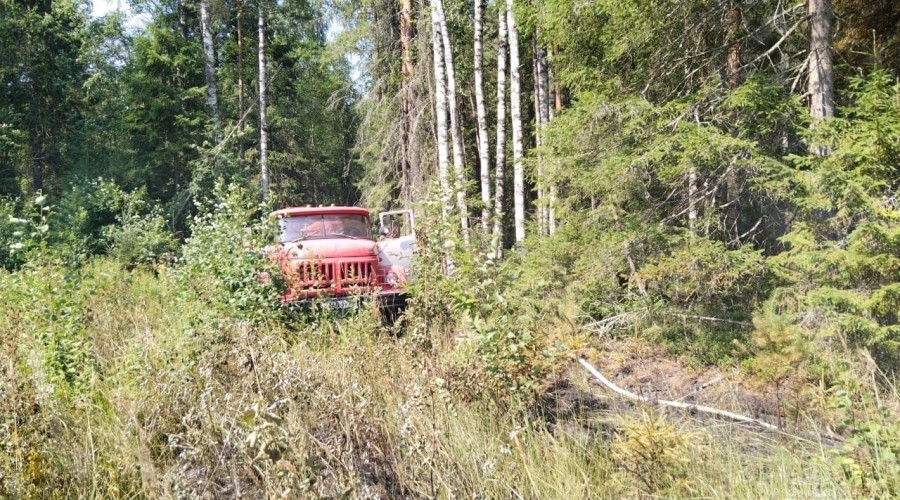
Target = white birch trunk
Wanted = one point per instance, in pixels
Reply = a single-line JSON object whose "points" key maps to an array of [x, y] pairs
{"points": [[440, 113], [516, 117], [544, 113], [551, 201], [240, 85], [263, 125], [497, 243], [483, 153], [692, 189], [455, 126], [209, 70], [538, 128]]}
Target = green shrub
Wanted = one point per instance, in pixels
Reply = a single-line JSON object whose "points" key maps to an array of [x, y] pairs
{"points": [[140, 239], [23, 230], [88, 209], [220, 263]]}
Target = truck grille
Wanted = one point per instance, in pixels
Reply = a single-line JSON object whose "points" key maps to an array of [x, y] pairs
{"points": [[337, 276]]}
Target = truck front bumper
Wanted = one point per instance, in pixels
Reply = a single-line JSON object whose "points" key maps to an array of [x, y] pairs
{"points": [[387, 301]]}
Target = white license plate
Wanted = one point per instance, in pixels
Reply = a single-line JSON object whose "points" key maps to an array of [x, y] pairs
{"points": [[339, 304]]}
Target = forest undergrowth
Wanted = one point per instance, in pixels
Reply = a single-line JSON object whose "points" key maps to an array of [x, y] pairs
{"points": [[697, 197], [185, 378]]}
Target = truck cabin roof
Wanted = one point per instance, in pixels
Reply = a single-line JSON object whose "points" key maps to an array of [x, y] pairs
{"points": [[299, 211]]}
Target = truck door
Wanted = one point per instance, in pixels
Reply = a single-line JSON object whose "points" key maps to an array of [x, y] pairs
{"points": [[397, 240]]}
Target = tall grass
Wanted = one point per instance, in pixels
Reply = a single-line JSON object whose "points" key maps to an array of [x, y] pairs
{"points": [[115, 384]]}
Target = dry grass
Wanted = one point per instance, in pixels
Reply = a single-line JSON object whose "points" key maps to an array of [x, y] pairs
{"points": [[181, 402]]}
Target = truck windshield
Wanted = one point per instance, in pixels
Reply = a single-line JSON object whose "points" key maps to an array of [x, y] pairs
{"points": [[311, 227]]}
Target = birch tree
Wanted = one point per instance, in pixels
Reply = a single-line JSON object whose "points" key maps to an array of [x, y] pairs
{"points": [[455, 126], [547, 115], [516, 118], [440, 113], [483, 153], [263, 125], [499, 172], [538, 127], [542, 119], [209, 70], [240, 82]]}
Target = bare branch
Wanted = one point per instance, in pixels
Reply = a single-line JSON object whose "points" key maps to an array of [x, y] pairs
{"points": [[674, 404]]}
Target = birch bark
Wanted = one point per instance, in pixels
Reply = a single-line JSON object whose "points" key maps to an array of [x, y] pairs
{"points": [[516, 118], [263, 125], [440, 112], [209, 70], [240, 84], [541, 208], [499, 172], [455, 126], [483, 153], [548, 114]]}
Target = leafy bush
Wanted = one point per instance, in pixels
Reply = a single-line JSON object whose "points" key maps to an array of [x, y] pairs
{"points": [[11, 230], [23, 231], [510, 334], [140, 239], [869, 461], [220, 263], [88, 209]]}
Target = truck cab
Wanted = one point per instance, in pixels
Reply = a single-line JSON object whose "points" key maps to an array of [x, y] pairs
{"points": [[330, 254]]}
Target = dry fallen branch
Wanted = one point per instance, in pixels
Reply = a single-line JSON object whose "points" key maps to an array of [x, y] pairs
{"points": [[674, 404], [606, 325]]}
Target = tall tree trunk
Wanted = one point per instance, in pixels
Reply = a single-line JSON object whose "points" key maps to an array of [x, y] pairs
{"points": [[692, 188], [551, 201], [821, 67], [455, 127], [733, 59], [209, 70], [483, 153], [263, 125], [406, 99], [516, 118], [733, 80], [440, 113], [541, 207], [502, 49], [692, 200], [182, 19], [35, 142], [240, 83], [543, 113]]}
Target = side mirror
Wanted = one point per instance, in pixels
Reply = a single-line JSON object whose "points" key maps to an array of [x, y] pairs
{"points": [[383, 231]]}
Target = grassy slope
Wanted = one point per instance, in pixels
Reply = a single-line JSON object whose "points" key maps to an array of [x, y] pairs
{"points": [[116, 384]]}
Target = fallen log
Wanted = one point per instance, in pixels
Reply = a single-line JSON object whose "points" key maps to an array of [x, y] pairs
{"points": [[674, 404]]}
